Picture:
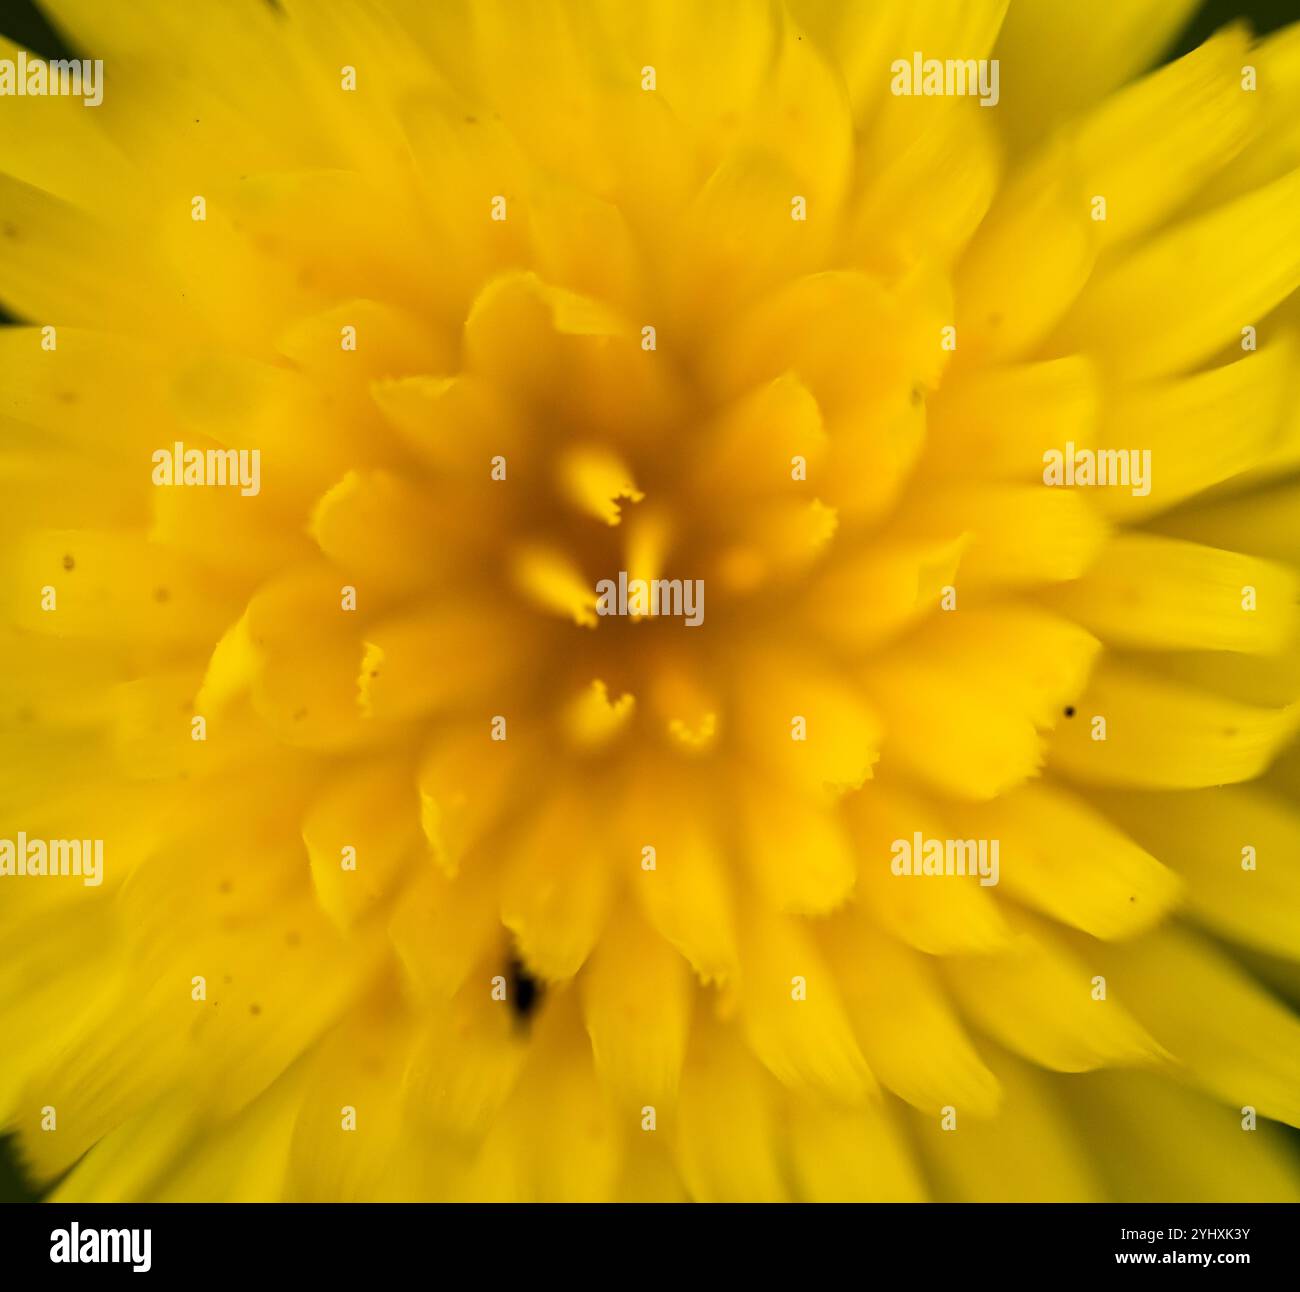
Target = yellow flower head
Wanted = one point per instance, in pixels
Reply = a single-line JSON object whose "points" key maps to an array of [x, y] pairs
{"points": [[625, 600]]}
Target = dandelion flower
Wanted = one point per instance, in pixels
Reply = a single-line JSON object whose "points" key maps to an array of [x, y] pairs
{"points": [[643, 608]]}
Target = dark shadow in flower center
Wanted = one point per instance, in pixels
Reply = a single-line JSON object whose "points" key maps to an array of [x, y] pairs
{"points": [[524, 992]]}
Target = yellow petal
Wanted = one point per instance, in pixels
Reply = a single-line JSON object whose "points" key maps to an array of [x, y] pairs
{"points": [[939, 915], [443, 929], [1262, 523], [556, 1139], [873, 594], [47, 282], [1002, 313], [429, 658], [456, 424], [243, 1160], [378, 527], [1060, 60], [687, 895], [114, 586], [592, 719], [752, 444], [465, 781], [726, 1136], [931, 168], [1019, 535], [555, 888], [1166, 735], [1030, 1150], [1207, 837], [1149, 147], [595, 479], [552, 581], [809, 725], [858, 1156], [636, 1001], [1199, 430], [792, 1014], [795, 847], [465, 1060], [1061, 856], [1194, 1149], [1179, 298], [1146, 592], [904, 1021], [349, 1126], [997, 422], [863, 39], [359, 833], [969, 745], [1227, 1035], [1036, 998]]}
